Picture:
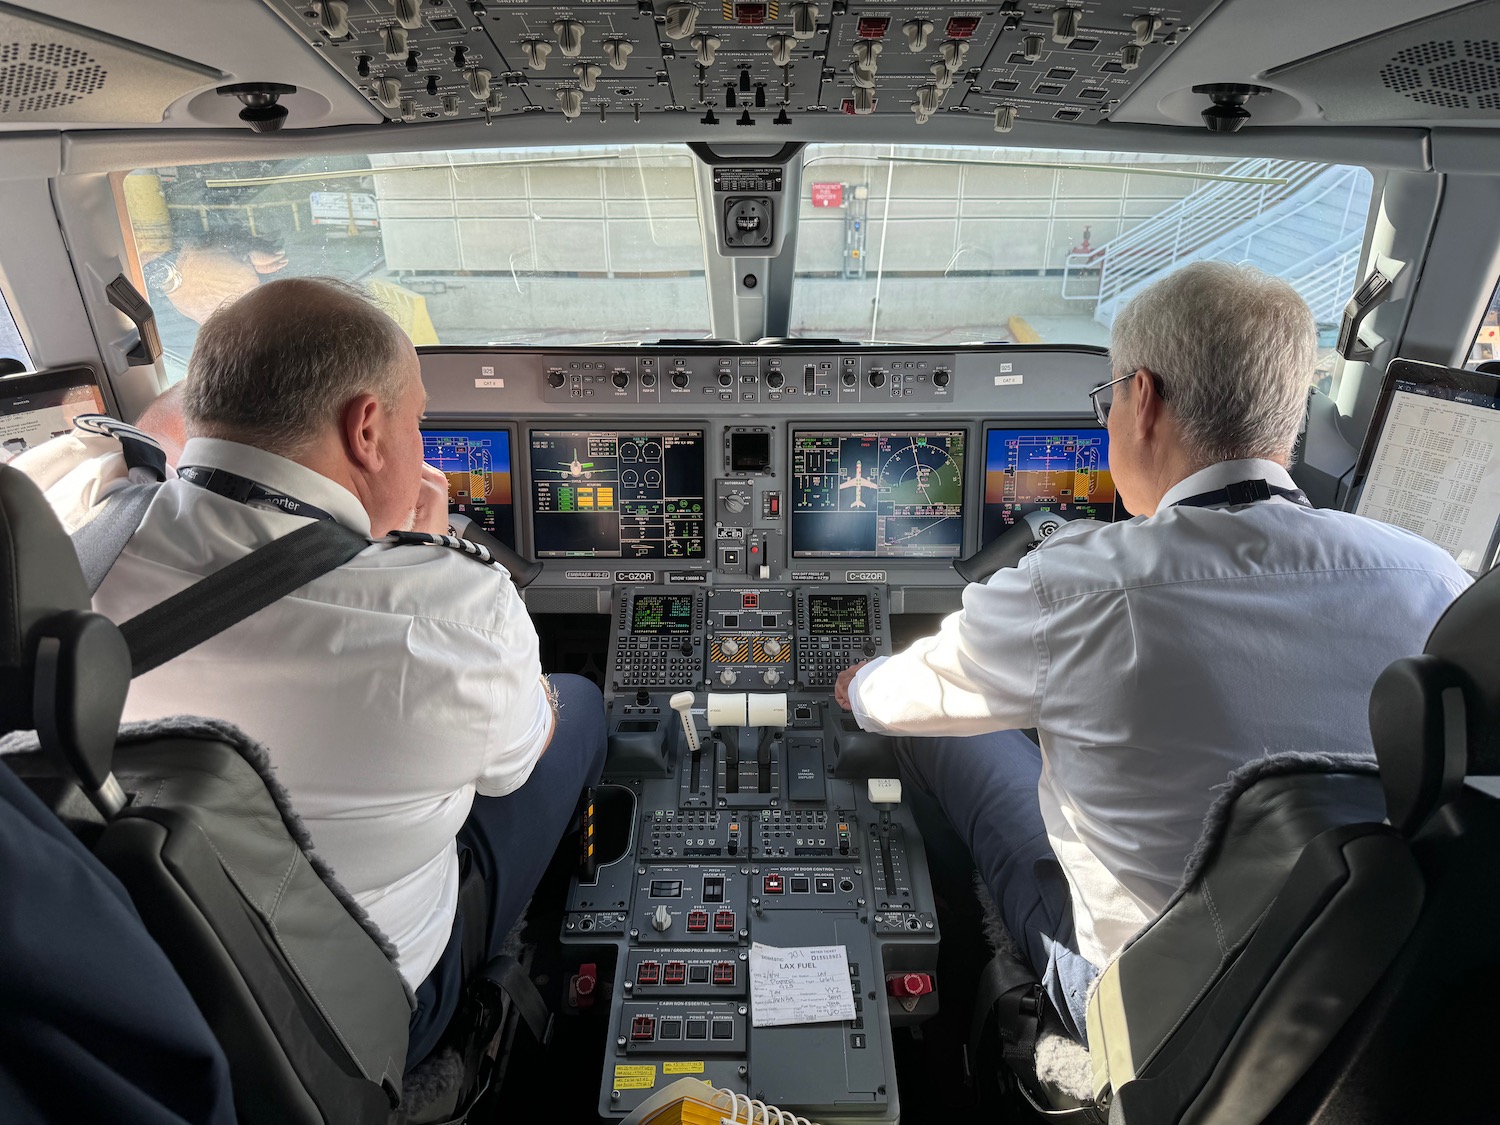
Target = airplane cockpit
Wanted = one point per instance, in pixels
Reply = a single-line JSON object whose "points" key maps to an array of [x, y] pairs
{"points": [[752, 335]]}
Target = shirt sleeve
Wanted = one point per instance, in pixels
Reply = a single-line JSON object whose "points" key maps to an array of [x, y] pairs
{"points": [[520, 719], [982, 671]]}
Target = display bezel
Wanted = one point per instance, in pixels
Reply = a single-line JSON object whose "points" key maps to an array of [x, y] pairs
{"points": [[49, 382], [450, 424], [878, 428], [1062, 424], [702, 429]]}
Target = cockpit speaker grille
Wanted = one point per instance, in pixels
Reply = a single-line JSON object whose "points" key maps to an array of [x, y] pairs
{"points": [[37, 77], [1447, 73]]}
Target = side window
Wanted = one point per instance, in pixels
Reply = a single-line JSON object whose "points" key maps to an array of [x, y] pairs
{"points": [[12, 347], [1486, 345]]}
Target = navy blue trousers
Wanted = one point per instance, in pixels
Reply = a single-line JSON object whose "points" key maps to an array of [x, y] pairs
{"points": [[510, 840], [986, 786]]}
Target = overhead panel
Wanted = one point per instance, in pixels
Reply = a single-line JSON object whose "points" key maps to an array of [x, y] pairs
{"points": [[52, 72], [742, 63]]}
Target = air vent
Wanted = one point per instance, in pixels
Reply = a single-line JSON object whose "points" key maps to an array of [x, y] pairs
{"points": [[52, 71], [1453, 74], [36, 77]]}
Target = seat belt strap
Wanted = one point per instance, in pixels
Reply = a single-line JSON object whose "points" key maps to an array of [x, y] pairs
{"points": [[228, 596], [506, 973], [1013, 989], [98, 542]]}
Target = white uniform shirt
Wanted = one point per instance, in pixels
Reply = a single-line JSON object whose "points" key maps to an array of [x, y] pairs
{"points": [[388, 692], [1155, 656], [75, 471]]}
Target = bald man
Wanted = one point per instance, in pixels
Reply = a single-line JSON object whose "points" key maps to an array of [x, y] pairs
{"points": [[401, 696]]}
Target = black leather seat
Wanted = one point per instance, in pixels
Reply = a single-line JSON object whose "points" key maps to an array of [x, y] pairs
{"points": [[1333, 955], [297, 986]]}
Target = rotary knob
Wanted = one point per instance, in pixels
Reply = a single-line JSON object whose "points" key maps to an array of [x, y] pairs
{"points": [[537, 51], [954, 51], [917, 33], [1005, 118], [1065, 25], [393, 42], [804, 21], [450, 105], [734, 503], [729, 647], [727, 677], [408, 13], [617, 51], [569, 37], [864, 79], [679, 379], [333, 18], [942, 77], [864, 100], [682, 20], [661, 920], [1145, 28], [771, 676], [556, 379], [866, 51], [927, 98], [1031, 47], [1130, 56], [781, 48], [588, 75], [706, 46], [388, 91], [773, 647], [571, 102], [479, 83]]}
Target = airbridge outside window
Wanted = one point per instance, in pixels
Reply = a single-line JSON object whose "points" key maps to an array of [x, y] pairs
{"points": [[1486, 344], [12, 347], [933, 244], [562, 245]]}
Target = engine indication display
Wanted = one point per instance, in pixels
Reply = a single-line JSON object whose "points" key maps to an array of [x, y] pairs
{"points": [[618, 494], [878, 493], [838, 615], [477, 465], [655, 615], [1061, 470]]}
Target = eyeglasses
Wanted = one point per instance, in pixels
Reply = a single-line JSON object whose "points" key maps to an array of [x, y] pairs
{"points": [[1102, 401]]}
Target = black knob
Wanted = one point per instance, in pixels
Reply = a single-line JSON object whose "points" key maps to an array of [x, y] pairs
{"points": [[648, 380], [363, 66], [679, 378], [877, 378], [774, 379], [869, 647], [940, 377], [642, 698], [556, 378], [432, 86], [725, 378], [621, 379], [849, 378], [686, 647], [459, 50], [411, 62]]}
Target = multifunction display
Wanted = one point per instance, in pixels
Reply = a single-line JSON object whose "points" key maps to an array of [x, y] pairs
{"points": [[838, 615], [878, 493], [617, 494], [477, 465], [657, 614], [1057, 470]]}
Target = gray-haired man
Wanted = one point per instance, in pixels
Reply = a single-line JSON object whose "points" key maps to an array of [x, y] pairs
{"points": [[1226, 621]]}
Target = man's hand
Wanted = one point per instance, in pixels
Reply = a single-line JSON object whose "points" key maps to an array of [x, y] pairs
{"points": [[841, 688], [431, 512]]}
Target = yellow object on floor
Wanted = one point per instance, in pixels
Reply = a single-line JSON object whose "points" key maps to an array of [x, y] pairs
{"points": [[690, 1101]]}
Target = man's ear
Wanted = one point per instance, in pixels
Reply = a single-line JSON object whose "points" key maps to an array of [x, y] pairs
{"points": [[1146, 402], [362, 423]]}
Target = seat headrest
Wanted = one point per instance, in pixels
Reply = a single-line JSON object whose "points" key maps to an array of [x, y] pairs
{"points": [[1467, 640], [39, 576]]}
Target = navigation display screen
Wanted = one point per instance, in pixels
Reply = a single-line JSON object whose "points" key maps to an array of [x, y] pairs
{"points": [[1063, 470], [657, 614], [1433, 468], [886, 494], [838, 615], [477, 465], [633, 494]]}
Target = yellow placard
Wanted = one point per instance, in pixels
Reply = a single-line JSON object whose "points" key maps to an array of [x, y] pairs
{"points": [[682, 1068], [635, 1077]]}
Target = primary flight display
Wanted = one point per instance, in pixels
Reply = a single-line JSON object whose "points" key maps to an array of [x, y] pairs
{"points": [[634, 494], [877, 493], [477, 465], [1063, 470]]}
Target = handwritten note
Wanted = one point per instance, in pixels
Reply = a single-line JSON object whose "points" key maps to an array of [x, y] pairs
{"points": [[807, 985]]}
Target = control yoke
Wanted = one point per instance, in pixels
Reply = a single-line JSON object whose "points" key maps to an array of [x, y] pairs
{"points": [[522, 570], [1010, 547]]}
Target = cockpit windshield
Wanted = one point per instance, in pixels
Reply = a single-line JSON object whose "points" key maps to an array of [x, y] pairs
{"points": [[594, 244]]}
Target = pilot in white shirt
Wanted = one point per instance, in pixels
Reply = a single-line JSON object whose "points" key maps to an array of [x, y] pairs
{"points": [[1157, 655], [400, 696]]}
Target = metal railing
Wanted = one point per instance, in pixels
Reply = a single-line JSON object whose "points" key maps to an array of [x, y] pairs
{"points": [[1224, 220]]}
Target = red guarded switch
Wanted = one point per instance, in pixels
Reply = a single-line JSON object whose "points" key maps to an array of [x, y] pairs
{"points": [[904, 985], [583, 985]]}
